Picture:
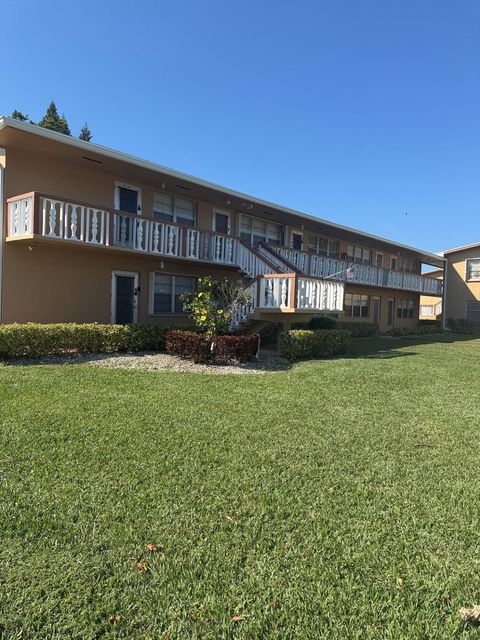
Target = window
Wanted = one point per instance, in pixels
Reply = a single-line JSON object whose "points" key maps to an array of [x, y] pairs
{"points": [[173, 209], [473, 311], [323, 246], [356, 306], [166, 292], [473, 269], [359, 254], [405, 309], [256, 230], [393, 263], [407, 265], [379, 260]]}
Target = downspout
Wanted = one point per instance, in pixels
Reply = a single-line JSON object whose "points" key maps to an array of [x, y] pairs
{"points": [[444, 295], [2, 229]]}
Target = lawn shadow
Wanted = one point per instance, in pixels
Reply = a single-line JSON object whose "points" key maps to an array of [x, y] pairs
{"points": [[385, 347]]}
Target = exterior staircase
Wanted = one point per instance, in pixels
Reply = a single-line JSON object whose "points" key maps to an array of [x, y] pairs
{"points": [[279, 289]]}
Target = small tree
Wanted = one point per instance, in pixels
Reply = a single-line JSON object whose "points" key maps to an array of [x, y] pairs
{"points": [[85, 133], [53, 121], [211, 306], [18, 115]]}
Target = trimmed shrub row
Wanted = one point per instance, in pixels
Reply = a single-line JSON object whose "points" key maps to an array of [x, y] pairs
{"points": [[188, 344], [419, 330], [33, 340], [463, 326], [302, 344], [359, 329]]}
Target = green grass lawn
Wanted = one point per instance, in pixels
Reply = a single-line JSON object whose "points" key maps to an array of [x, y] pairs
{"points": [[340, 499]]}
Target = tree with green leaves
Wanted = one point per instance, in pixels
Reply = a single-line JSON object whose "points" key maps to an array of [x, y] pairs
{"points": [[85, 133], [53, 121], [18, 115]]}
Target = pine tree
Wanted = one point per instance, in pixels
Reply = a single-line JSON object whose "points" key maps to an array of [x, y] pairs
{"points": [[85, 133], [18, 115], [64, 128], [51, 120]]}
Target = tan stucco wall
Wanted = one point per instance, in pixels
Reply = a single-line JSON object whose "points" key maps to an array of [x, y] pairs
{"points": [[36, 172], [460, 292], [385, 296], [74, 285], [64, 284]]}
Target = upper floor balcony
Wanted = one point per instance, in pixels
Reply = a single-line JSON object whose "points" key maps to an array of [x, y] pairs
{"points": [[321, 267], [40, 216]]}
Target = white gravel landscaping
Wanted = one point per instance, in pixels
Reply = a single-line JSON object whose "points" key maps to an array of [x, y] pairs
{"points": [[267, 361]]}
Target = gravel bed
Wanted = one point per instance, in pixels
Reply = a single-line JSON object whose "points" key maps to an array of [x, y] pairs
{"points": [[267, 361]]}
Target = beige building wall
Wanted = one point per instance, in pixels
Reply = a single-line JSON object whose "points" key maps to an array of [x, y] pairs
{"points": [[75, 284], [459, 291], [36, 172], [48, 282], [385, 296]]}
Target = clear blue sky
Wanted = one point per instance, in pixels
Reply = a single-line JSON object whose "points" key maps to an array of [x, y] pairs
{"points": [[356, 111]]}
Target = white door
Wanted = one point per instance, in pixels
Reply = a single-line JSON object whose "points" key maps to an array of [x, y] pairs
{"points": [[125, 291]]}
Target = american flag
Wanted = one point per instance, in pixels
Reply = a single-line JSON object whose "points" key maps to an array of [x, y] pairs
{"points": [[350, 273]]}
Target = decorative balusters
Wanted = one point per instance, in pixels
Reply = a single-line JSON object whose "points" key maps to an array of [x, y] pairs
{"points": [[16, 219], [192, 235], [25, 217], [65, 220], [94, 227], [283, 299], [52, 218], [156, 237], [20, 217], [73, 223]]}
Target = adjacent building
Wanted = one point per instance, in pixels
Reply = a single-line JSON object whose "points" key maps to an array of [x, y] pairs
{"points": [[462, 281], [90, 234]]}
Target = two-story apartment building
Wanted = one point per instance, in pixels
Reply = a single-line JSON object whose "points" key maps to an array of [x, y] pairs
{"points": [[462, 282], [92, 234]]}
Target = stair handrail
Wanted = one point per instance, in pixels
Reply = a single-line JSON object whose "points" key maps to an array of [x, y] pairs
{"points": [[289, 265]]}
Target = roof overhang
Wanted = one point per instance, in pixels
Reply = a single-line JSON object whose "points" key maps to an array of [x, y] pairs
{"points": [[466, 247], [17, 133]]}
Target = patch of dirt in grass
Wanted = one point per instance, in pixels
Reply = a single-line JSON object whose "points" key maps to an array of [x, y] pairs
{"points": [[267, 361]]}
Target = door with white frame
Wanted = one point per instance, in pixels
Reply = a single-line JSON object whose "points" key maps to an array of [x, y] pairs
{"points": [[296, 240], [128, 199], [221, 222], [125, 292]]}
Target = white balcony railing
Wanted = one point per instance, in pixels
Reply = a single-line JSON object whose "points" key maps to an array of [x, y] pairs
{"points": [[321, 267], [290, 292]]}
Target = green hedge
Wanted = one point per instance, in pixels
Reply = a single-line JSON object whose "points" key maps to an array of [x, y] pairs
{"points": [[323, 322], [35, 340], [419, 330], [359, 329], [304, 343], [463, 326]]}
